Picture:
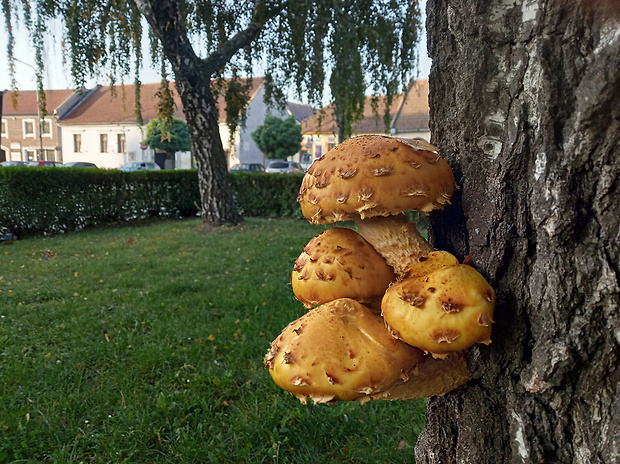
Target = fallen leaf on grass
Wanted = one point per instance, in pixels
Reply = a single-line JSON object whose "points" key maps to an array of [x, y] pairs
{"points": [[48, 254]]}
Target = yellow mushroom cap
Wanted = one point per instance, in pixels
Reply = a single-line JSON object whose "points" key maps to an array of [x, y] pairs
{"points": [[441, 306], [339, 351], [374, 175], [339, 263]]}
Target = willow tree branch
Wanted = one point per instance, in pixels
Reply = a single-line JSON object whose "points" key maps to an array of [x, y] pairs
{"points": [[164, 19], [262, 13]]}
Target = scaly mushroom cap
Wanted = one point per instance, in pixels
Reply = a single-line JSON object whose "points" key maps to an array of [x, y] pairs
{"points": [[374, 175], [340, 263], [339, 351], [441, 306]]}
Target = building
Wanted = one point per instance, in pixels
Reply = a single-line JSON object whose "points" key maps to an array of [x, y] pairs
{"points": [[409, 115], [27, 135], [245, 149], [103, 128], [100, 126]]}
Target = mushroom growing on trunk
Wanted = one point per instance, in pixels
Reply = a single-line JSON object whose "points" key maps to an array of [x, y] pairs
{"points": [[441, 306], [340, 263], [343, 351], [373, 179]]}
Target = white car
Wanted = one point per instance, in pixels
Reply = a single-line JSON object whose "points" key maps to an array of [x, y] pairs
{"points": [[140, 166], [283, 167]]}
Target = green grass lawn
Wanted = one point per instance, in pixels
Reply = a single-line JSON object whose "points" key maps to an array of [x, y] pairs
{"points": [[145, 344]]}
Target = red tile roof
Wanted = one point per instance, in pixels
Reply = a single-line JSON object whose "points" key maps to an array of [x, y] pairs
{"points": [[27, 102], [413, 114], [410, 114], [103, 106]]}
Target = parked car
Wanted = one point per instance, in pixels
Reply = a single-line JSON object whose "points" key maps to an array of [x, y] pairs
{"points": [[281, 166], [249, 167], [79, 164], [13, 163], [140, 166], [43, 164]]}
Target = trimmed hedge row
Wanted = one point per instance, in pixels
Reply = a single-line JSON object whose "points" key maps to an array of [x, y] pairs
{"points": [[267, 195], [48, 200]]}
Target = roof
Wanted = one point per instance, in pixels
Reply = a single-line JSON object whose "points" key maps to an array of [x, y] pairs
{"points": [[299, 110], [413, 114], [105, 105], [409, 112], [27, 102]]}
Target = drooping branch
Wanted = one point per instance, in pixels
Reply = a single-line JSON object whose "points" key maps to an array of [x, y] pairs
{"points": [[165, 21], [262, 13]]}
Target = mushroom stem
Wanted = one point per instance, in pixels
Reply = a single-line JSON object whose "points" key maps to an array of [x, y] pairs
{"points": [[396, 239]]}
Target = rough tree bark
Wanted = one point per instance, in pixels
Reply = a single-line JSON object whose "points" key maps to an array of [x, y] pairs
{"points": [[525, 105]]}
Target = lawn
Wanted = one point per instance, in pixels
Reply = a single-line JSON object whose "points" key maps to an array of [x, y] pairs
{"points": [[145, 344]]}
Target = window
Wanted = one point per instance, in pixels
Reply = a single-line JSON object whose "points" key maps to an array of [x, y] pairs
{"points": [[46, 128], [4, 128], [103, 143], [120, 142], [28, 127], [30, 154], [77, 143], [49, 154]]}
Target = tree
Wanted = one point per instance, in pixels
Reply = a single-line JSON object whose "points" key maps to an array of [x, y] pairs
{"points": [[278, 138], [525, 105], [299, 40], [169, 140]]}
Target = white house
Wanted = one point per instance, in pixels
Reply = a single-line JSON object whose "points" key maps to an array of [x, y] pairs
{"points": [[103, 129]]}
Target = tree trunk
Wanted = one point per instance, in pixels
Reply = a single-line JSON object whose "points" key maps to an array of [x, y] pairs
{"points": [[525, 106], [201, 112], [193, 82]]}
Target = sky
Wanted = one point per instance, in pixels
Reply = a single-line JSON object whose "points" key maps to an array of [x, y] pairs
{"points": [[58, 76]]}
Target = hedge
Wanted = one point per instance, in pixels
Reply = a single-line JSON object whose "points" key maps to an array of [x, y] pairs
{"points": [[54, 200]]}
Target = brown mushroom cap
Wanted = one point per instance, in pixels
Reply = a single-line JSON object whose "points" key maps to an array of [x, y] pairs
{"points": [[339, 263], [374, 175], [441, 306], [339, 351]]}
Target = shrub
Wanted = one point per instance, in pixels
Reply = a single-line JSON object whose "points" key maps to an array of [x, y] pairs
{"points": [[46, 201], [266, 194]]}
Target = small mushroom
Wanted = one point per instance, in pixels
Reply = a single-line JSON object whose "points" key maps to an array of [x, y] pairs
{"points": [[441, 306], [374, 179], [340, 263], [343, 351]]}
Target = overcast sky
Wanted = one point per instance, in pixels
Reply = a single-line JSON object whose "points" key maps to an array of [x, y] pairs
{"points": [[57, 75]]}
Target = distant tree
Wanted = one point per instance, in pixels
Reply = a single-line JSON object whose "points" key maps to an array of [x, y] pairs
{"points": [[301, 43], [175, 138], [278, 138]]}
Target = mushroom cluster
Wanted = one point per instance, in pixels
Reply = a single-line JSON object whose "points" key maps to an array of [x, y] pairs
{"points": [[389, 317]]}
